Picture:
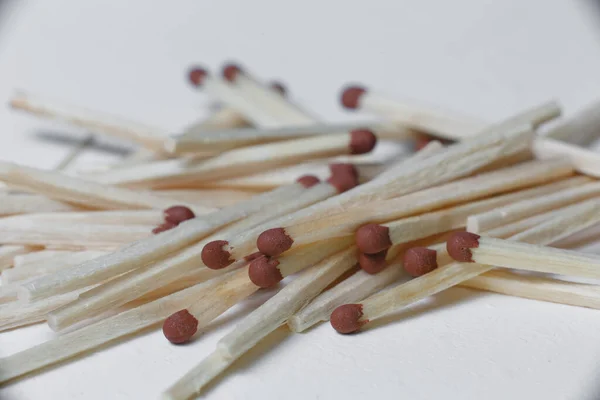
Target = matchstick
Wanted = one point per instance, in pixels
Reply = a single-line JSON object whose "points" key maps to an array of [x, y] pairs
{"points": [[85, 193], [569, 194], [126, 217], [261, 322], [580, 129], [351, 317], [374, 238], [239, 162], [28, 260], [278, 240], [94, 121], [214, 197], [470, 247], [153, 248], [8, 253], [13, 203], [584, 160]]}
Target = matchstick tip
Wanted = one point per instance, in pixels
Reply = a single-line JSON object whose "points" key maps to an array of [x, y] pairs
{"points": [[459, 246], [196, 76], [264, 272], [163, 227], [351, 96], [273, 242], [178, 214], [279, 88], [373, 238], [231, 71], [373, 263], [214, 256], [418, 261], [346, 318], [180, 327], [308, 180], [362, 141], [343, 177]]}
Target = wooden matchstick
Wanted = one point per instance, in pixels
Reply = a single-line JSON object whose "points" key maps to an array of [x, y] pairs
{"points": [[571, 193], [8, 253], [278, 240], [580, 129], [214, 197], [155, 247], [125, 217], [85, 193], [13, 203], [584, 160], [351, 317], [96, 122]]}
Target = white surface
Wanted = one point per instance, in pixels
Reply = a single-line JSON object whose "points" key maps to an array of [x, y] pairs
{"points": [[486, 58]]}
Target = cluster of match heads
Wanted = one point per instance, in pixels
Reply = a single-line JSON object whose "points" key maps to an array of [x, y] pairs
{"points": [[261, 190]]}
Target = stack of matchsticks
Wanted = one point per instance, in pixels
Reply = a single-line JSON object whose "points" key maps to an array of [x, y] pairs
{"points": [[261, 190]]}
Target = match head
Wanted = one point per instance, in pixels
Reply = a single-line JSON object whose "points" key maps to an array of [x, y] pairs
{"points": [[308, 180], [197, 75], [351, 96], [214, 256], [346, 318], [178, 214], [231, 71], [180, 327], [373, 238], [343, 177], [273, 242], [373, 263], [419, 261], [163, 227], [264, 272], [459, 245], [362, 141], [279, 88]]}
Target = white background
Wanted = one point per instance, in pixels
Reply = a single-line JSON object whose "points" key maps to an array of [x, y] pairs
{"points": [[487, 58]]}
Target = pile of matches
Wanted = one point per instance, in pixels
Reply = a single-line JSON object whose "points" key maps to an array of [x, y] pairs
{"points": [[193, 224]]}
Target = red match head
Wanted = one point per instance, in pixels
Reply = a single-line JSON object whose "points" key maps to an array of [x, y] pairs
{"points": [[373, 263], [180, 327], [343, 177], [264, 272], [273, 242], [362, 141], [231, 71], [197, 75], [459, 245], [419, 261], [214, 256], [163, 227], [373, 238], [308, 180], [350, 97], [178, 214], [346, 318]]}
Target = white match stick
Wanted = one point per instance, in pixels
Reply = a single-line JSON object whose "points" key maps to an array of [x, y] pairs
{"points": [[11, 204], [96, 122], [345, 223], [350, 317], [126, 217], [94, 335], [88, 194], [480, 222], [260, 323], [155, 247], [27, 260], [374, 238], [584, 160], [8, 253], [215, 197], [580, 129]]}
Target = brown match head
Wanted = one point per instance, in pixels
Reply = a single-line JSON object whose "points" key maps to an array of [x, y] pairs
{"points": [[308, 180], [459, 245], [279, 88], [343, 177], [180, 327], [373, 238], [351, 96], [197, 75], [418, 261], [373, 263], [163, 227], [231, 71], [362, 141], [178, 214], [264, 272], [273, 242], [214, 256], [346, 318]]}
